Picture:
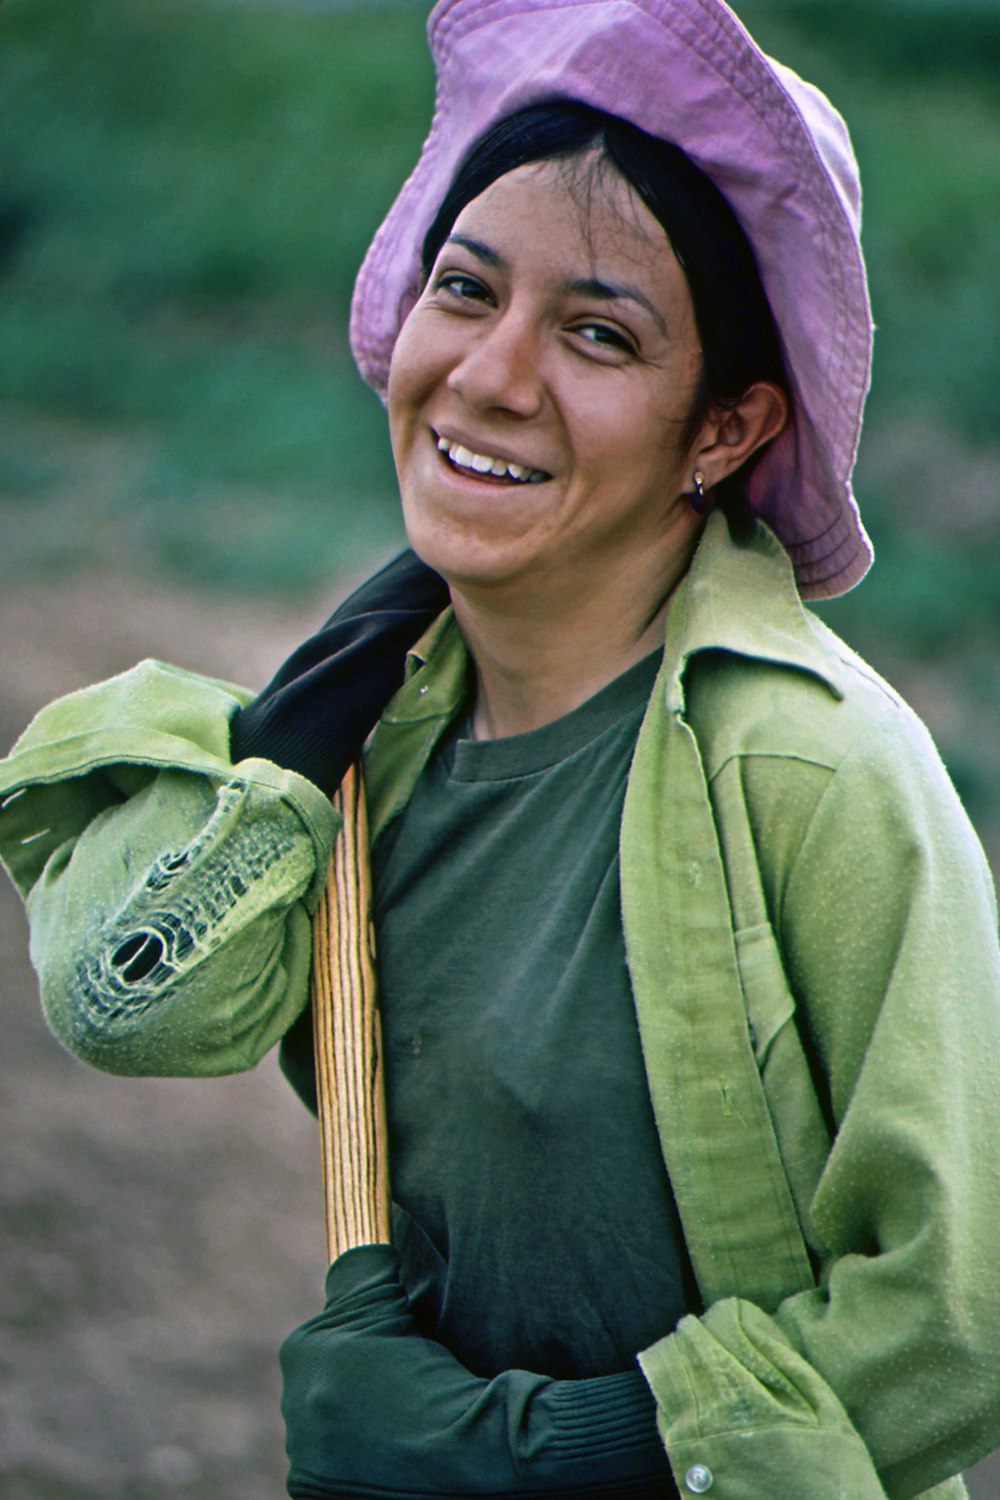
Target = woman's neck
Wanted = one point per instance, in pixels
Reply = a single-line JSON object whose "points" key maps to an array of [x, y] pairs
{"points": [[537, 657]]}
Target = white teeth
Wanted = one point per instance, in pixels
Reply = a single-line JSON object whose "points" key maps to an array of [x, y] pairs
{"points": [[481, 463]]}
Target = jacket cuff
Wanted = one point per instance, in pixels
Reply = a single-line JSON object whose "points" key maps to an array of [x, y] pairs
{"points": [[740, 1410]]}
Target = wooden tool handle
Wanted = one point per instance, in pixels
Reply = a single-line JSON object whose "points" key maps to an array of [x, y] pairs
{"points": [[348, 1040]]}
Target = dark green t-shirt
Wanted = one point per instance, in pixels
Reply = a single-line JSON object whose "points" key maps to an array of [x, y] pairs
{"points": [[534, 1217]]}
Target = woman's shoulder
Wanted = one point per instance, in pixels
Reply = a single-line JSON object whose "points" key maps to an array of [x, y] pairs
{"points": [[790, 758], [757, 674], [825, 711]]}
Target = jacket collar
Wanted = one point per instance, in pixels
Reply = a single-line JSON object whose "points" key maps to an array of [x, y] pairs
{"points": [[736, 596], [741, 597]]}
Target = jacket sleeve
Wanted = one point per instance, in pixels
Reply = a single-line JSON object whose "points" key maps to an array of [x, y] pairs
{"points": [[168, 891], [884, 1378]]}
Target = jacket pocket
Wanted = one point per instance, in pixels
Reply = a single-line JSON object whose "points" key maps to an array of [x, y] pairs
{"points": [[788, 1075]]}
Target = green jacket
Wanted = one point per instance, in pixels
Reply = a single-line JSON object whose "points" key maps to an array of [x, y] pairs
{"points": [[812, 942]]}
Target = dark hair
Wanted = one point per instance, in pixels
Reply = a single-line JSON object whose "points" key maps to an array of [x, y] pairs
{"points": [[739, 339]]}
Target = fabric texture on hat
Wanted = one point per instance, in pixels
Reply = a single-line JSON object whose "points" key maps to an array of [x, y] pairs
{"points": [[686, 71]]}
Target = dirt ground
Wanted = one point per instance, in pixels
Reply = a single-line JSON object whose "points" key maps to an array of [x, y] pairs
{"points": [[159, 1238]]}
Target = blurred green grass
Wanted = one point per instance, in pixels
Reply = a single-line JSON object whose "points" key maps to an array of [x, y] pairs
{"points": [[185, 194], [186, 191]]}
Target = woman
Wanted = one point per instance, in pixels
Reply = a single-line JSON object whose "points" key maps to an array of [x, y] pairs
{"points": [[687, 954]]}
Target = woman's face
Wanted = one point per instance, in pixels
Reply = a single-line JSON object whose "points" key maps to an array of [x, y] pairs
{"points": [[540, 387]]}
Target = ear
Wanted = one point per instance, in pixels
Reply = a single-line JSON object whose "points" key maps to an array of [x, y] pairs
{"points": [[731, 434]]}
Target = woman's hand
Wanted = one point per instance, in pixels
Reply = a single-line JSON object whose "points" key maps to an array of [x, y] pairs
{"points": [[373, 1408]]}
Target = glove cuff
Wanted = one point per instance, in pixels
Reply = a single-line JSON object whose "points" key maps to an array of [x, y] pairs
{"points": [[611, 1414]]}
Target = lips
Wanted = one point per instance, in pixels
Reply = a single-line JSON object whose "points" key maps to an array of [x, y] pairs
{"points": [[488, 465]]}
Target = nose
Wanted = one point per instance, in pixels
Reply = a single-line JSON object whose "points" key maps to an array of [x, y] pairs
{"points": [[501, 371]]}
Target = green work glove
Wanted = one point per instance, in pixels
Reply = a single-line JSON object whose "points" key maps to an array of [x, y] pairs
{"points": [[373, 1409]]}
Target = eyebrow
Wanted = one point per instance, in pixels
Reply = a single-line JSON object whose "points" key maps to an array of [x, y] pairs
{"points": [[477, 248], [613, 291], [582, 286]]}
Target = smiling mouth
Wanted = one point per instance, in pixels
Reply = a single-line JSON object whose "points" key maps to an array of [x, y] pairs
{"points": [[485, 466]]}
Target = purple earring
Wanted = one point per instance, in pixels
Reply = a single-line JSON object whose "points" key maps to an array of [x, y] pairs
{"points": [[699, 501]]}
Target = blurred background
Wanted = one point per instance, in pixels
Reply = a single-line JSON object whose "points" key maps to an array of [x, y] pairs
{"points": [[190, 468]]}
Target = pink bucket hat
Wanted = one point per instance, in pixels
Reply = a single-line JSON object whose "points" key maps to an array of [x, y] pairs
{"points": [[688, 72]]}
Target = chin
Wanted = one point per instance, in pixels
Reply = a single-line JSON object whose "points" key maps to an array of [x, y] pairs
{"points": [[466, 569], [466, 560]]}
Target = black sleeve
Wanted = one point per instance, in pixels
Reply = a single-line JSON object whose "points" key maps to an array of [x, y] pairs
{"points": [[317, 711], [374, 1409]]}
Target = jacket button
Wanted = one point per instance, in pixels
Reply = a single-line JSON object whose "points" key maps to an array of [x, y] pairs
{"points": [[698, 1479]]}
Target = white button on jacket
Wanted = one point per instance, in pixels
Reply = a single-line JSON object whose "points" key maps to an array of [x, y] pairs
{"points": [[698, 1479]]}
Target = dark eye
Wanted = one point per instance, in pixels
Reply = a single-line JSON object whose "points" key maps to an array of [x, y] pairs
{"points": [[459, 284], [604, 335]]}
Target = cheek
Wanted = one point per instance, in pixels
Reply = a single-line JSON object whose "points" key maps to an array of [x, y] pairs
{"points": [[405, 396], [400, 375], [420, 360], [632, 418], [629, 435], [661, 425]]}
